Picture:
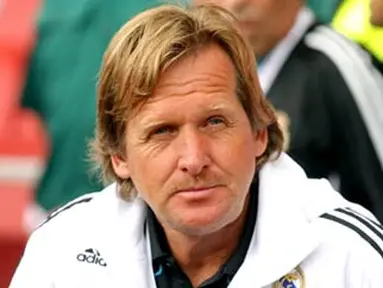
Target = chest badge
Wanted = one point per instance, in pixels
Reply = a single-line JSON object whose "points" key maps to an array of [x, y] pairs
{"points": [[294, 279]]}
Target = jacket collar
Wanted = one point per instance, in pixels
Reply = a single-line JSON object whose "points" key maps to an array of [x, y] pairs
{"points": [[285, 234]]}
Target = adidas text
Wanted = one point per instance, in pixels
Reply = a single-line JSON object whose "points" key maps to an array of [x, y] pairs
{"points": [[91, 259]]}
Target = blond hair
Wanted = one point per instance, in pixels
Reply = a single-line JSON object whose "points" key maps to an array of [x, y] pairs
{"points": [[143, 49]]}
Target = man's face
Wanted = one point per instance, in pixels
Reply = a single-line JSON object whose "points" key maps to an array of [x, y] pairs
{"points": [[377, 12], [190, 151], [264, 22]]}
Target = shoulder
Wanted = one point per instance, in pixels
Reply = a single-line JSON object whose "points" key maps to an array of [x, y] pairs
{"points": [[359, 236], [327, 41], [337, 51], [341, 223], [357, 232], [331, 63], [81, 213], [63, 235], [348, 76], [70, 207], [91, 228], [349, 253]]}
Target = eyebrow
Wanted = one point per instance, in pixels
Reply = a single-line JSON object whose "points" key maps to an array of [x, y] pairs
{"points": [[153, 119], [147, 128]]}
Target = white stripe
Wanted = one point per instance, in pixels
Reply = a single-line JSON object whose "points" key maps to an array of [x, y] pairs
{"points": [[363, 80], [360, 225], [20, 169]]}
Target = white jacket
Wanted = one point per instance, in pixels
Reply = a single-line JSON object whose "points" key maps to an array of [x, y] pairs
{"points": [[98, 240]]}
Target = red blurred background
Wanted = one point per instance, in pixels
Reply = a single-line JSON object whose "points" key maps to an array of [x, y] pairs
{"points": [[23, 147]]}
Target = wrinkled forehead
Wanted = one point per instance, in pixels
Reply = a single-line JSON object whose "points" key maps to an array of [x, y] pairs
{"points": [[206, 69]]}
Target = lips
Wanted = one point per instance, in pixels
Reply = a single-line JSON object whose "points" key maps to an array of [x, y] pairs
{"points": [[197, 193], [197, 189]]}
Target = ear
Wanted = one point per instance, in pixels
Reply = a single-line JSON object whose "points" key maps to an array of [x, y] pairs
{"points": [[261, 139], [120, 166]]}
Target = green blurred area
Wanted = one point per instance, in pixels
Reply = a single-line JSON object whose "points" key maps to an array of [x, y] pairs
{"points": [[324, 9]]}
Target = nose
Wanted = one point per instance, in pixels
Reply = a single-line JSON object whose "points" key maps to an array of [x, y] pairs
{"points": [[194, 157]]}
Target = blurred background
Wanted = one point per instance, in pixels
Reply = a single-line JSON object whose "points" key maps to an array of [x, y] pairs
{"points": [[50, 52]]}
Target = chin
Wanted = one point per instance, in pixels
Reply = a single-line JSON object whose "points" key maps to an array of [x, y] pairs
{"points": [[204, 222]]}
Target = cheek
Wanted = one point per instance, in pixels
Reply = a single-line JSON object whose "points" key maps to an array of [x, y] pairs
{"points": [[147, 181], [150, 171], [238, 155]]}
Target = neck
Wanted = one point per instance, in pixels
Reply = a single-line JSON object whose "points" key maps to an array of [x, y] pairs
{"points": [[285, 25], [201, 256]]}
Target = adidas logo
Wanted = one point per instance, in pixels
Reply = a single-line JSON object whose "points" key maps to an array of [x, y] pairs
{"points": [[91, 256]]}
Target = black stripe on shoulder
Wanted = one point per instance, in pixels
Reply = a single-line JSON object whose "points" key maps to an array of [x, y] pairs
{"points": [[356, 230], [64, 208], [365, 221], [376, 223]]}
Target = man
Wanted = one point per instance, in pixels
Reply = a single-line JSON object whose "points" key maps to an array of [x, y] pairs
{"points": [[204, 197], [326, 88], [376, 12]]}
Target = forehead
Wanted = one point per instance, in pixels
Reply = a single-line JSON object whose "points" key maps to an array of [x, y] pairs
{"points": [[209, 69], [208, 75], [207, 64]]}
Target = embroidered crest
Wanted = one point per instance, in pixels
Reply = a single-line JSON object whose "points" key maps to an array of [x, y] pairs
{"points": [[284, 123], [295, 279]]}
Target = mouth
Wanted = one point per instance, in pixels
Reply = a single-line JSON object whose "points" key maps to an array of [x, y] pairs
{"points": [[198, 188], [197, 192]]}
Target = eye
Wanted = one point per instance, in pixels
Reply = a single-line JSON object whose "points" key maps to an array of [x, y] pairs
{"points": [[215, 120], [163, 130]]}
